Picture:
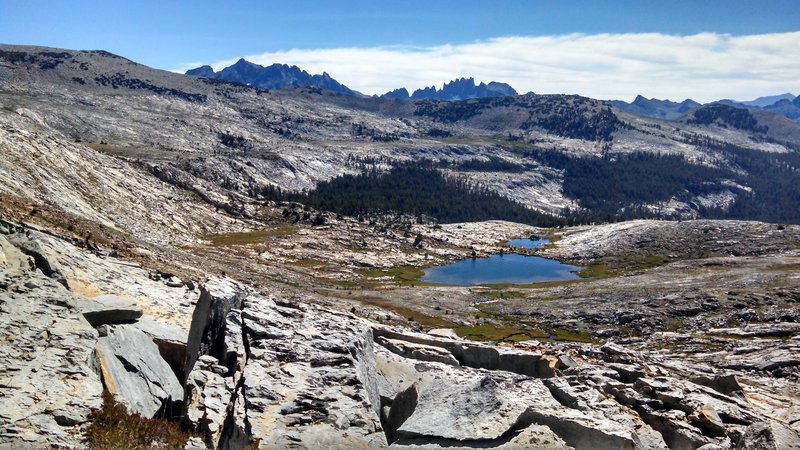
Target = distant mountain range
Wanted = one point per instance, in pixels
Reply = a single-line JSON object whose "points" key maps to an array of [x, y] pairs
{"points": [[660, 109], [761, 102], [787, 105], [275, 76], [460, 89], [281, 76]]}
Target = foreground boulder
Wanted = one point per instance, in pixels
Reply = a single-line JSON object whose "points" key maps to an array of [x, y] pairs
{"points": [[135, 373], [280, 375]]}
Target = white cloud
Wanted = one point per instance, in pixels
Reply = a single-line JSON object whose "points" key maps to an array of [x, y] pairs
{"points": [[703, 67]]}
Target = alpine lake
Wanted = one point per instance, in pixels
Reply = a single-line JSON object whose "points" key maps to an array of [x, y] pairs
{"points": [[504, 268]]}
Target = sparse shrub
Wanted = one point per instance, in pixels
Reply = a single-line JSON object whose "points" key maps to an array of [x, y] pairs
{"points": [[319, 220], [113, 427]]}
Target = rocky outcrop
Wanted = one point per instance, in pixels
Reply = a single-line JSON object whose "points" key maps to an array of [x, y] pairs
{"points": [[47, 383], [769, 436], [135, 373], [304, 376], [53, 362], [283, 375], [170, 339], [207, 332]]}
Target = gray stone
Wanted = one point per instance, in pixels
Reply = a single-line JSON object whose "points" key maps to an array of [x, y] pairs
{"points": [[106, 309], [195, 443], [174, 281], [769, 436], [207, 331], [170, 339], [135, 373], [707, 419], [208, 398], [47, 382]]}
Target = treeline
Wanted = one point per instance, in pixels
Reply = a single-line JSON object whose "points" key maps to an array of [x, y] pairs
{"points": [[738, 118], [607, 188], [413, 188], [573, 124], [618, 186], [493, 164], [775, 182]]}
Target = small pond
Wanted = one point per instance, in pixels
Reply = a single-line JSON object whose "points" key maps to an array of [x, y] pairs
{"points": [[509, 268], [533, 242]]}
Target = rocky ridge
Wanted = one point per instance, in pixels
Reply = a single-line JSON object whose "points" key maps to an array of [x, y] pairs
{"points": [[460, 89], [274, 76]]}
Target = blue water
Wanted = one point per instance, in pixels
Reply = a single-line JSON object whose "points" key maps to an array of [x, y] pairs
{"points": [[510, 268], [533, 242]]}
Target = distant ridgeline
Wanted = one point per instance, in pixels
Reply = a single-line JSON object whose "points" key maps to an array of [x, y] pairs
{"points": [[461, 89], [786, 105], [281, 76], [276, 76]]}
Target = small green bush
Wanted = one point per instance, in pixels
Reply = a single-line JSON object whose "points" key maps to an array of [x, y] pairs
{"points": [[113, 427]]}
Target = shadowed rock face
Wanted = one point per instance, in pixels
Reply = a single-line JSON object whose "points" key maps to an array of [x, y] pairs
{"points": [[134, 371]]}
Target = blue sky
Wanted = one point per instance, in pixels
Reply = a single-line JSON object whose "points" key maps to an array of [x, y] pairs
{"points": [[176, 35]]}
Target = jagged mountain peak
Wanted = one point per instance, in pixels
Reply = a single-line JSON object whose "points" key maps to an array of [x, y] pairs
{"points": [[274, 76], [202, 71], [458, 89]]}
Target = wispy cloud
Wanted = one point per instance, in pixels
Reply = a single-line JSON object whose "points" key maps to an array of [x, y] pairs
{"points": [[704, 66]]}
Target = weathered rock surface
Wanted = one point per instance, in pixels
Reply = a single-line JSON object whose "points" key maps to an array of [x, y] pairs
{"points": [[135, 373], [105, 309], [308, 377], [47, 381], [50, 377], [289, 376], [170, 339]]}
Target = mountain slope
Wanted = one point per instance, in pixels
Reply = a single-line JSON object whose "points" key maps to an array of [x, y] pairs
{"points": [[234, 144], [768, 100]]}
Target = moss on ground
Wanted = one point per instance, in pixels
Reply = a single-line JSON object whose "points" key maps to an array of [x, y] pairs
{"points": [[402, 275], [498, 333], [784, 268], [410, 314], [502, 294], [249, 237], [617, 266]]}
